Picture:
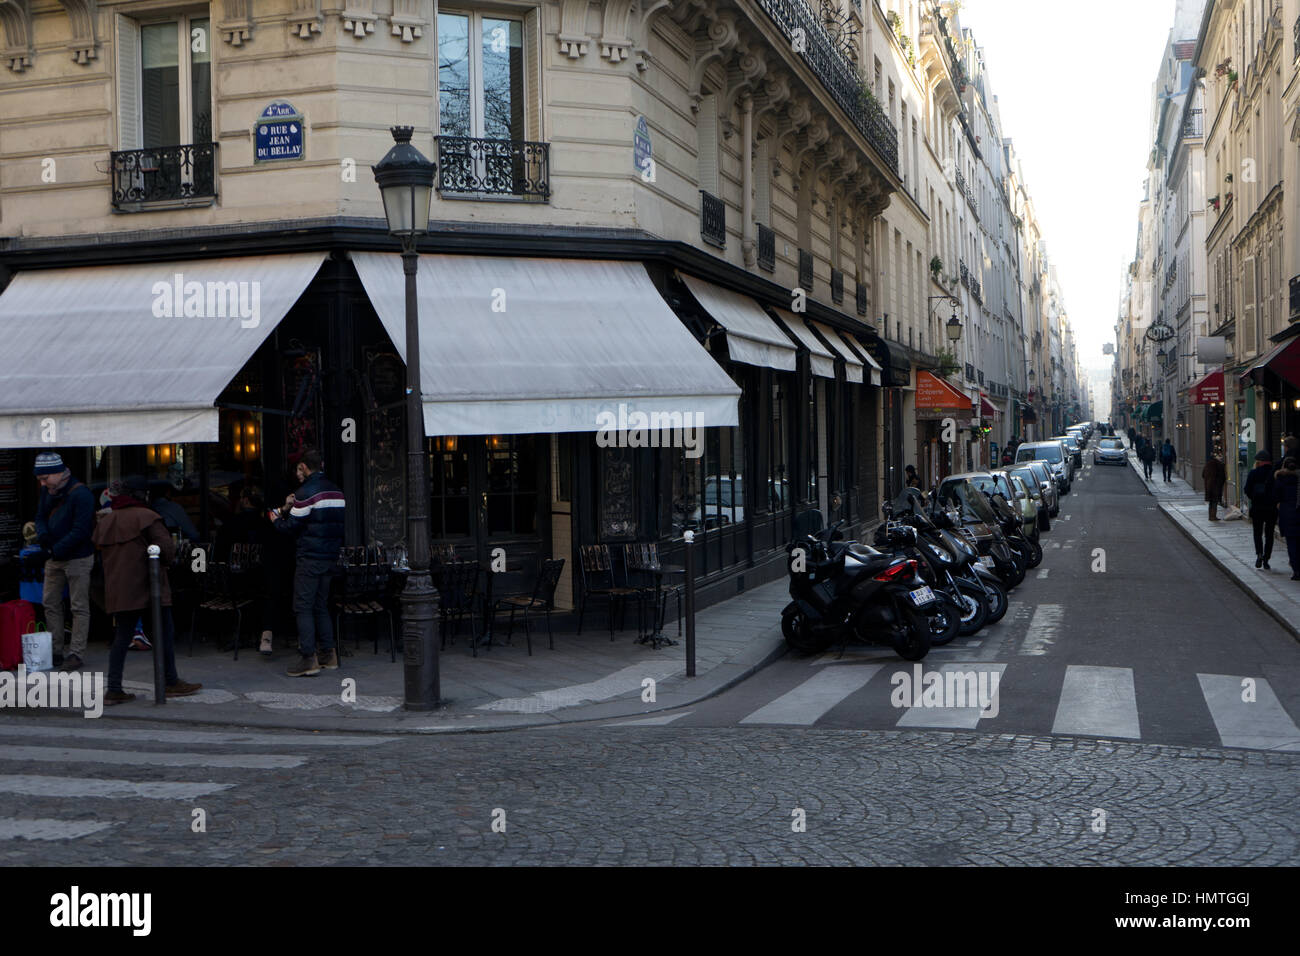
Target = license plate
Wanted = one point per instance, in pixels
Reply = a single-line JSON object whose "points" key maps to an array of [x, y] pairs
{"points": [[921, 596], [987, 560]]}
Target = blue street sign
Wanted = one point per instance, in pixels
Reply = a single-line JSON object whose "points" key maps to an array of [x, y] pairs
{"points": [[642, 152], [278, 134]]}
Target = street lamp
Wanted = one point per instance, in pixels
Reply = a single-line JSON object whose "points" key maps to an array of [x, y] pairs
{"points": [[405, 179], [954, 329]]}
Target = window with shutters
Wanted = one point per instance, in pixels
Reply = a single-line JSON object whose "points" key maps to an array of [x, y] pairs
{"points": [[1248, 332], [489, 127]]}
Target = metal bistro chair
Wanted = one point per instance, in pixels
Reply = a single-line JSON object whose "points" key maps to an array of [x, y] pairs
{"points": [[598, 581], [217, 595], [365, 586], [541, 600], [638, 576], [649, 556], [457, 584]]}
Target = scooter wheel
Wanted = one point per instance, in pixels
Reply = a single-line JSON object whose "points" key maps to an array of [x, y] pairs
{"points": [[946, 624], [799, 635], [913, 643], [1035, 554], [998, 603], [975, 606]]}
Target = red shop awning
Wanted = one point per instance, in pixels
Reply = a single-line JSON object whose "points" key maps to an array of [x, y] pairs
{"points": [[934, 392], [1209, 390], [1283, 361], [986, 409]]}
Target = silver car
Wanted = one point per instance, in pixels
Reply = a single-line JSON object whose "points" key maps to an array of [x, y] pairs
{"points": [[1109, 451], [1057, 457], [1038, 476]]}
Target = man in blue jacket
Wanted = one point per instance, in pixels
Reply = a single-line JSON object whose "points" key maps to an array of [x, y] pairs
{"points": [[315, 515], [65, 520]]}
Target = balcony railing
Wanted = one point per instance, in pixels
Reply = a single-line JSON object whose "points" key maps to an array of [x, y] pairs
{"points": [[713, 220], [1295, 33], [766, 248], [163, 174], [861, 296], [806, 271], [806, 32], [837, 286], [1194, 125], [976, 291], [1295, 298], [471, 168]]}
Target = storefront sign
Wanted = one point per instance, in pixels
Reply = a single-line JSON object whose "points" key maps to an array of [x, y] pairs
{"points": [[278, 134], [1209, 390], [933, 392], [385, 443]]}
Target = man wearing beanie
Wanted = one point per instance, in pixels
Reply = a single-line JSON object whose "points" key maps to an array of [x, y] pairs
{"points": [[65, 520]]}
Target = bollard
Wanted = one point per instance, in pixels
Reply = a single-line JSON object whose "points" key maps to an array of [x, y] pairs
{"points": [[689, 538], [155, 606]]}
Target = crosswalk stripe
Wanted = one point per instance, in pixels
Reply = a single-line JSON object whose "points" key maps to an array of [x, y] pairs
{"points": [[1042, 630], [807, 703], [30, 785], [151, 759], [1097, 702], [12, 828], [75, 730], [1261, 724], [957, 718], [648, 721]]}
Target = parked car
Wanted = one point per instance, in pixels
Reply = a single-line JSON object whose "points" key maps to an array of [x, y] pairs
{"points": [[1057, 457], [1080, 434], [1076, 451], [1026, 481], [1109, 451], [724, 501], [1042, 471]]}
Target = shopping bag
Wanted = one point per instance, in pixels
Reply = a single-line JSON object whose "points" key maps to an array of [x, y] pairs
{"points": [[38, 650], [16, 617]]}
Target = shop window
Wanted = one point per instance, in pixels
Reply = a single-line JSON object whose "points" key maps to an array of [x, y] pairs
{"points": [[709, 491], [449, 481], [779, 448], [511, 489], [811, 458]]}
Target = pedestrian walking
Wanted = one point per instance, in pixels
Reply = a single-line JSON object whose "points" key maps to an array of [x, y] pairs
{"points": [[1263, 507], [123, 535], [1132, 437], [65, 521], [1215, 478], [1286, 483], [315, 515], [1147, 455], [1168, 458]]}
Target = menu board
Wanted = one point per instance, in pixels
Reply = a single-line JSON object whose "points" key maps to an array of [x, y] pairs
{"points": [[617, 498], [10, 522], [385, 447]]}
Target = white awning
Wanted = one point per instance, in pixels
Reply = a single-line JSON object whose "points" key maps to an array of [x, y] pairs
{"points": [[527, 346], [135, 354], [852, 364], [858, 349], [752, 337], [823, 360]]}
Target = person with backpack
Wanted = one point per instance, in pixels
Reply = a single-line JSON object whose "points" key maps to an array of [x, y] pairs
{"points": [[1147, 455], [1286, 484], [1263, 508], [1168, 458], [123, 535], [315, 516], [65, 520]]}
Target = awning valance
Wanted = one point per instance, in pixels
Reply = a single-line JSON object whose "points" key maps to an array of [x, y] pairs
{"points": [[852, 364], [868, 360], [135, 354], [822, 359], [1283, 360], [933, 392], [752, 337], [1209, 390], [527, 346]]}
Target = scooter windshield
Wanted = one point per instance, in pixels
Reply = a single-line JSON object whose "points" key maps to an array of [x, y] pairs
{"points": [[974, 506]]}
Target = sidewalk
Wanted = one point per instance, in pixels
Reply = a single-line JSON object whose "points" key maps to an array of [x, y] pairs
{"points": [[586, 677], [1229, 544]]}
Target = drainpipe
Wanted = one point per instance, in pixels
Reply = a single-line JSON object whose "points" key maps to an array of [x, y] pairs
{"points": [[747, 243]]}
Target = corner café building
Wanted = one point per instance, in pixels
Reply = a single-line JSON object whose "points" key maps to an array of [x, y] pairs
{"points": [[210, 362]]}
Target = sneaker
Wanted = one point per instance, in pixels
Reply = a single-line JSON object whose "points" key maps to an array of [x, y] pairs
{"points": [[306, 667], [266, 647], [182, 689], [118, 697], [140, 643], [72, 663]]}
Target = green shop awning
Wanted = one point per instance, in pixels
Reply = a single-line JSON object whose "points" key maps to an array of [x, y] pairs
{"points": [[1155, 412]]}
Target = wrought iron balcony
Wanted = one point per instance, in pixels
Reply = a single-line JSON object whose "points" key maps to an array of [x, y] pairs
{"points": [[713, 220], [164, 174], [837, 286], [807, 33], [766, 248], [976, 291], [1194, 125], [861, 297], [806, 271], [473, 168]]}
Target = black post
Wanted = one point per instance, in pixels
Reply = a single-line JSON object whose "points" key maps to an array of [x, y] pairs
{"points": [[419, 597], [689, 538], [155, 607]]}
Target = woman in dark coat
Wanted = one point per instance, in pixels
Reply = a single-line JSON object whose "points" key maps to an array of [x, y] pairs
{"points": [[1215, 478], [1286, 480], [1263, 507]]}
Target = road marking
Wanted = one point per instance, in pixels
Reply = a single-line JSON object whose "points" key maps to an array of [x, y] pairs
{"points": [[855, 655], [12, 828], [1042, 629], [1097, 702], [1261, 725], [811, 700], [1056, 545], [959, 718], [1042, 572], [620, 682], [648, 721], [147, 759], [30, 785], [219, 738]]}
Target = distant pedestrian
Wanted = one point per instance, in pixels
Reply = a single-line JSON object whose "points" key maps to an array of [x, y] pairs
{"points": [[315, 516], [1168, 458], [1132, 437], [1286, 482], [1147, 455], [1259, 488], [123, 535], [1215, 478], [65, 520], [912, 480]]}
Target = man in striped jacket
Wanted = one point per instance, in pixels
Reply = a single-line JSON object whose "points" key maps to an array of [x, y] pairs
{"points": [[315, 516]]}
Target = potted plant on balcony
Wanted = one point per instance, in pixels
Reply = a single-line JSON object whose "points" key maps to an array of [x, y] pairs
{"points": [[1214, 201], [936, 267]]}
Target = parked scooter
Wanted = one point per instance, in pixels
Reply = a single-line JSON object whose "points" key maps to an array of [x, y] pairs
{"points": [[1014, 530], [981, 522], [843, 591]]}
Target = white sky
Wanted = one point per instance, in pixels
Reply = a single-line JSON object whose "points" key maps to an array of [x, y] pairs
{"points": [[1073, 82]]}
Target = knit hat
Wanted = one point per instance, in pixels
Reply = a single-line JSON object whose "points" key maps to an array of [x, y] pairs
{"points": [[49, 463], [1263, 456]]}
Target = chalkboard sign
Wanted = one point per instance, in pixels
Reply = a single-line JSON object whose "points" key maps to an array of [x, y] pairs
{"points": [[385, 448], [10, 525], [617, 495]]}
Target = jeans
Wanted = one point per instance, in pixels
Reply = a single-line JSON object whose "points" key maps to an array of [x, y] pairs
{"points": [[124, 630], [1262, 524], [1168, 466], [1293, 552], [75, 572], [311, 592], [1146, 466]]}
